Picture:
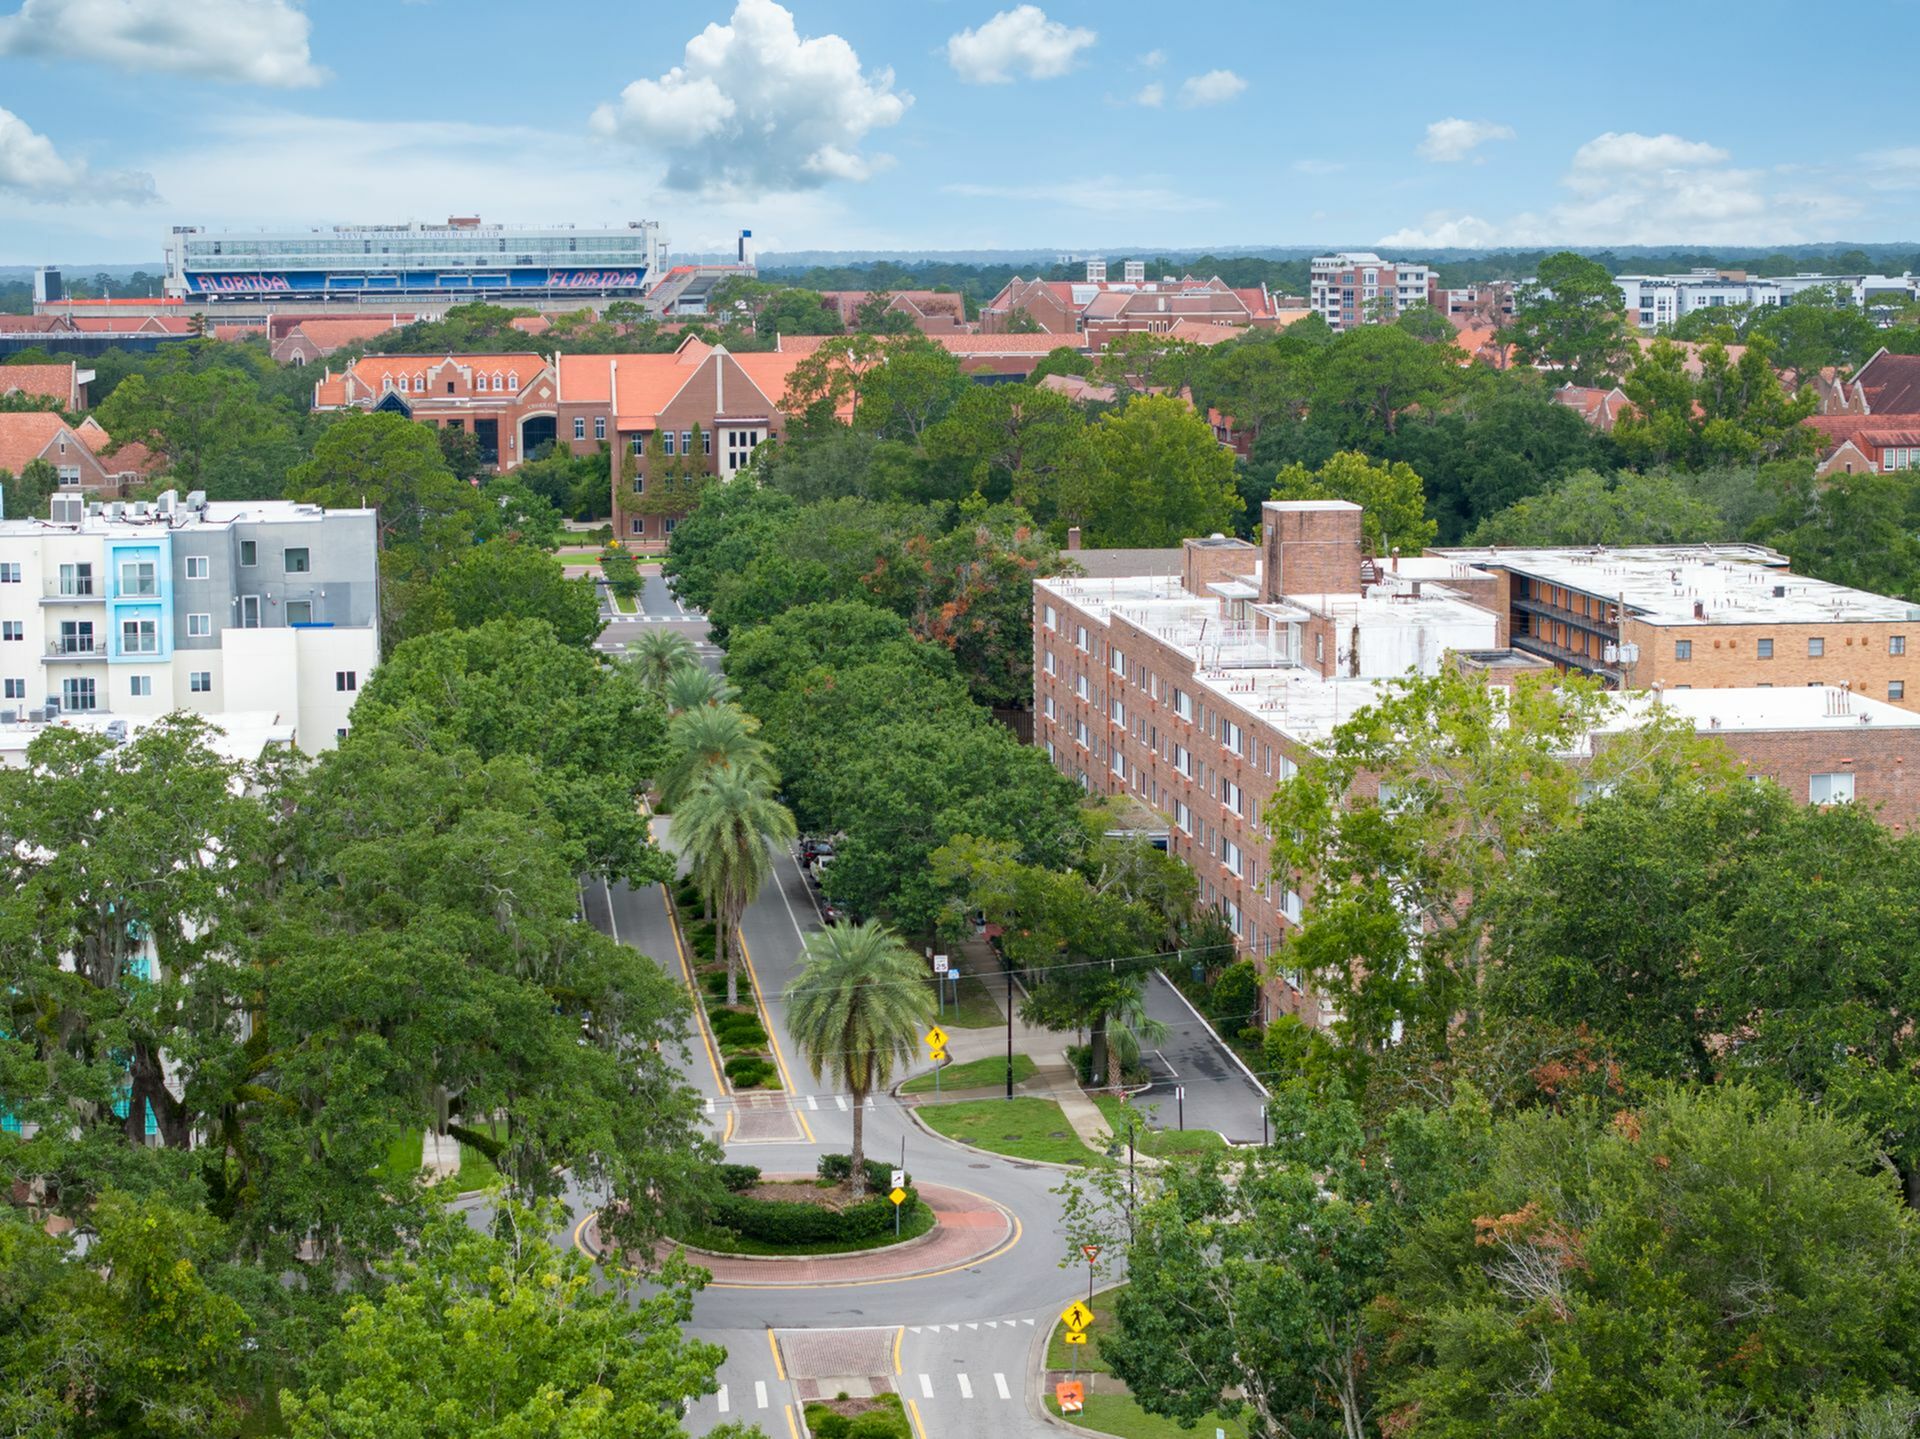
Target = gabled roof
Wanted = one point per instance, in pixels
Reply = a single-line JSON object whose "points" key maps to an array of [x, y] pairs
{"points": [[55, 382], [26, 434], [1891, 384]]}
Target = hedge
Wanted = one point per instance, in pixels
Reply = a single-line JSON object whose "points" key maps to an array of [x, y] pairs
{"points": [[750, 1071], [782, 1221], [888, 1421], [736, 1177]]}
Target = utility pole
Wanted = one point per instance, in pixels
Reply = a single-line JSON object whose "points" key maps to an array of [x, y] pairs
{"points": [[1009, 1032]]}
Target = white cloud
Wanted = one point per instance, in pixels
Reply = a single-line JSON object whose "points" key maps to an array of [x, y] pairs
{"points": [[1152, 96], [30, 166], [1153, 59], [1216, 87], [1632, 189], [1452, 140], [1020, 41], [754, 107], [256, 42], [1892, 169]]}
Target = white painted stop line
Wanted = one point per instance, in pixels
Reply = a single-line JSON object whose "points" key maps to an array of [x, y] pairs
{"points": [[1000, 1383], [966, 1386]]}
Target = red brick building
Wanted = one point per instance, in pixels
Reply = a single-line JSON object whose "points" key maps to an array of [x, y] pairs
{"points": [[508, 402], [76, 452], [1098, 308]]}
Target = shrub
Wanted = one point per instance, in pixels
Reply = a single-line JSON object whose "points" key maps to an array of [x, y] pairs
{"points": [[737, 1029], [877, 1424], [784, 1221], [749, 1071], [825, 1423], [836, 1168], [1236, 994], [736, 1177]]}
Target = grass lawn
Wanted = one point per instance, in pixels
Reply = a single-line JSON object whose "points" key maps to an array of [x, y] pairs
{"points": [[476, 1170], [1060, 1353], [1022, 1128], [973, 1074], [977, 1008], [725, 1241], [1117, 1414], [626, 604], [403, 1157], [1158, 1142]]}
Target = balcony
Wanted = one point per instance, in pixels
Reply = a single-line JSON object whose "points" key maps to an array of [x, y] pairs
{"points": [[71, 592], [75, 651]]}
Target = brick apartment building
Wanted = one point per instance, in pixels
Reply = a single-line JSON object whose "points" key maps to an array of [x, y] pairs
{"points": [[1359, 288], [1196, 694], [1097, 308]]}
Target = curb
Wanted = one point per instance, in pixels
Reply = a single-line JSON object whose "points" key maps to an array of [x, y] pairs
{"points": [[932, 1133], [1226, 1048]]}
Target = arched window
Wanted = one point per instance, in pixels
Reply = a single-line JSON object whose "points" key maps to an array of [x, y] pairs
{"points": [[513, 381], [386, 382], [420, 383], [480, 383], [403, 384], [498, 383]]}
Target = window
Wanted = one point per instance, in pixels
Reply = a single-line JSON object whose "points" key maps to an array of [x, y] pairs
{"points": [[404, 385], [513, 381], [76, 580], [198, 567], [1046, 661], [139, 579], [78, 695], [1119, 764], [1230, 736], [686, 442], [140, 686], [1683, 649], [639, 484], [706, 442], [1764, 648], [1816, 648], [1053, 620], [13, 629], [1051, 712], [1080, 638], [16, 689], [199, 626], [139, 637], [639, 527], [200, 682], [1117, 661], [1830, 788], [480, 384], [1896, 689], [76, 637], [1182, 704], [1232, 796], [346, 681], [299, 612], [297, 561], [1230, 856], [249, 553], [1080, 686], [599, 427], [1896, 644], [249, 612], [580, 427], [638, 444], [1182, 817], [1118, 712], [1080, 733], [1183, 761], [666, 442], [9, 574], [668, 523]]}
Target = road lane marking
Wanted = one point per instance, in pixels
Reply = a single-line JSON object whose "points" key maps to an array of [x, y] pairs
{"points": [[812, 1102], [720, 1399], [918, 1424], [841, 1100], [972, 1325], [760, 1392], [926, 1386], [779, 1369], [896, 1349], [773, 1039], [793, 1429], [613, 922], [966, 1386], [1000, 1383]]}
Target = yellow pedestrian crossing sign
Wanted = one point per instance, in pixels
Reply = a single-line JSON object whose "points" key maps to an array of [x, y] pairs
{"points": [[899, 1196], [936, 1038], [1075, 1336], [939, 1056], [1076, 1316]]}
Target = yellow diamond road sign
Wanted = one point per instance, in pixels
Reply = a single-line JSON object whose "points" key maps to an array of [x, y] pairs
{"points": [[936, 1038], [1076, 1316], [899, 1196], [1075, 1336]]}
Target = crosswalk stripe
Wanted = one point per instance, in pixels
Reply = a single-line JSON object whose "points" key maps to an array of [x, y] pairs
{"points": [[760, 1392], [993, 1324], [841, 1100], [721, 1399], [812, 1103], [966, 1386], [972, 1325], [926, 1386], [913, 1329], [954, 1327], [1000, 1383]]}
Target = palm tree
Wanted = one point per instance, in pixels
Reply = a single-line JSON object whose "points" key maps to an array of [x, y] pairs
{"points": [[857, 1008], [725, 828], [703, 739], [657, 654], [694, 685], [1130, 1029]]}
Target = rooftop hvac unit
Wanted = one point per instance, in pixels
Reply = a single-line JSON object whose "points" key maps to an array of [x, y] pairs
{"points": [[9, 716], [36, 716], [53, 706], [117, 731], [1779, 592], [68, 509]]}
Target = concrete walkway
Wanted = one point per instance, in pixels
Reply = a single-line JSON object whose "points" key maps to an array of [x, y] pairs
{"points": [[439, 1156]]}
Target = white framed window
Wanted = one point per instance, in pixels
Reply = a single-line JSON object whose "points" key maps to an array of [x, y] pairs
{"points": [[1763, 649], [249, 553], [199, 626], [1050, 754], [299, 560], [1683, 649], [599, 427], [1232, 796], [139, 579], [1816, 648], [1117, 712], [1049, 708], [1834, 788], [79, 695], [1182, 703], [140, 686], [579, 427], [13, 629], [139, 637], [16, 689], [1896, 689], [1080, 686], [1080, 638], [1120, 764], [199, 567], [1117, 661], [200, 682], [1230, 736], [666, 441], [1230, 857], [1052, 618], [1182, 817], [1183, 760], [9, 573], [1291, 907], [346, 681], [1896, 644], [1080, 733], [1046, 662]]}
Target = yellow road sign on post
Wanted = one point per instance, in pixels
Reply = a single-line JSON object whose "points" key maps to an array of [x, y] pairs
{"points": [[1075, 1336], [1076, 1316], [936, 1038], [939, 1056], [899, 1196]]}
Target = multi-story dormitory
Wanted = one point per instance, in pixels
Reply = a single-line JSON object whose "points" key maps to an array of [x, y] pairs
{"points": [[1196, 692]]}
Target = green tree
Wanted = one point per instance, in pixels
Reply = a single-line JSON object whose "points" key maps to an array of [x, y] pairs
{"points": [[1571, 318], [1818, 327], [1854, 529], [1007, 442], [856, 1009], [461, 450], [727, 829], [1704, 1262], [214, 422], [1152, 474], [1624, 508], [703, 739], [875, 315], [693, 686], [913, 383], [30, 494], [1063, 360], [1142, 360], [656, 654], [504, 579], [1736, 412], [1368, 377], [521, 1339], [1392, 495]]}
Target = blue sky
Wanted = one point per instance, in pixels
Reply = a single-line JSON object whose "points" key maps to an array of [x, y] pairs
{"points": [[952, 124]]}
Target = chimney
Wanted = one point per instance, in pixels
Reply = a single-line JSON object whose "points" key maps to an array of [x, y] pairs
{"points": [[1073, 537]]}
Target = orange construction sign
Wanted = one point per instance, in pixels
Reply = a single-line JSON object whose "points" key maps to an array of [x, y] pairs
{"points": [[1072, 1395]]}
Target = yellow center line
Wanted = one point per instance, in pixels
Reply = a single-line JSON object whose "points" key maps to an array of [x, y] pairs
{"points": [[774, 1344], [918, 1424], [580, 1229], [686, 970], [773, 1039], [793, 1429], [899, 1334]]}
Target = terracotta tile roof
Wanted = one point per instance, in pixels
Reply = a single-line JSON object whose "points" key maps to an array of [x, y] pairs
{"points": [[53, 381], [1078, 387], [1891, 384], [90, 434], [771, 372], [802, 344], [32, 324], [331, 334], [1692, 363], [531, 324], [642, 383], [1204, 332], [132, 458], [1006, 344], [25, 435], [1869, 431]]}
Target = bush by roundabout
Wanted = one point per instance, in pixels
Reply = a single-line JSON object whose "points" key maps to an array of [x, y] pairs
{"points": [[745, 1219]]}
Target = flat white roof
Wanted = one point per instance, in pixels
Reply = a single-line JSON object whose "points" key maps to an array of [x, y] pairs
{"points": [[242, 736], [1732, 584], [219, 514], [1753, 709]]}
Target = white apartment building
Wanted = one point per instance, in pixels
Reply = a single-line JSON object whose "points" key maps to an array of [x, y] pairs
{"points": [[1654, 302], [1360, 288], [135, 610]]}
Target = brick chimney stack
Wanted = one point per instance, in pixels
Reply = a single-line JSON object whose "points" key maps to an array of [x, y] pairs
{"points": [[1314, 547], [1073, 538]]}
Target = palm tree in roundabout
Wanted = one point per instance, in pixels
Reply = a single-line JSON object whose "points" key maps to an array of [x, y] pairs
{"points": [[856, 1010]]}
